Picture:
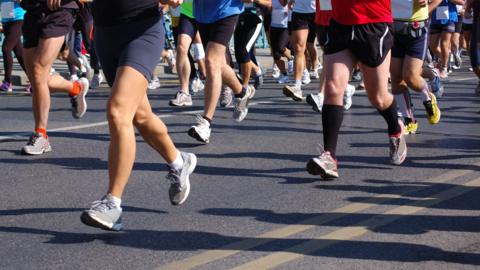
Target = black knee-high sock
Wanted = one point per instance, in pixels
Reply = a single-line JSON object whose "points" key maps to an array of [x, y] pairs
{"points": [[391, 116], [332, 117]]}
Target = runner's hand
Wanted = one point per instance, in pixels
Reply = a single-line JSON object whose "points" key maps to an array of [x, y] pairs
{"points": [[54, 4]]}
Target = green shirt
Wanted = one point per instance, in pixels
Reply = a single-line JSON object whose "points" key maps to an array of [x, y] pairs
{"points": [[187, 8]]}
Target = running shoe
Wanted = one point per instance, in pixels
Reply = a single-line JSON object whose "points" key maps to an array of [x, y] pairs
{"points": [[197, 85], [275, 71], [316, 101], [324, 165], [171, 60], [306, 77], [154, 83], [96, 80], [477, 90], [347, 97], [457, 60], [87, 70], [79, 103], [258, 79], [226, 96], [201, 131], [179, 180], [436, 86], [181, 99], [432, 110], [103, 214], [398, 147], [37, 145], [411, 127], [283, 79], [290, 65], [74, 78], [241, 104], [6, 87], [356, 75], [293, 92], [315, 73]]}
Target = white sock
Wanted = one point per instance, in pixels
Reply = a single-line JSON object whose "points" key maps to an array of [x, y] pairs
{"points": [[116, 200], [298, 84], [177, 164]]}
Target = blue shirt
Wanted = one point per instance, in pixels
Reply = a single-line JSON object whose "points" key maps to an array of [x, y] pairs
{"points": [[210, 11], [9, 16], [450, 9]]}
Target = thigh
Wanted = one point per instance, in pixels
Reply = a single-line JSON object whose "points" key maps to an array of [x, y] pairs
{"points": [[338, 67], [128, 90], [376, 78]]}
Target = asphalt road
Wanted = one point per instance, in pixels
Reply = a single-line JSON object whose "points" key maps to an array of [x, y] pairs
{"points": [[252, 204]]}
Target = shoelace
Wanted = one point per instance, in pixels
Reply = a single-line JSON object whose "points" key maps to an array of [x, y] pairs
{"points": [[73, 101], [103, 205], [395, 143], [173, 177], [33, 139]]}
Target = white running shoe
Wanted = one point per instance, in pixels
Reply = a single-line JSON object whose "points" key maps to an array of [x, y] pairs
{"points": [[197, 85], [293, 92], [347, 97], [275, 72], [96, 80], [154, 83], [181, 99], [306, 77], [201, 131]]}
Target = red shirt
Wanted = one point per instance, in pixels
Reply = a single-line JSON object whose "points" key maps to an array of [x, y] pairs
{"points": [[353, 12], [322, 17]]}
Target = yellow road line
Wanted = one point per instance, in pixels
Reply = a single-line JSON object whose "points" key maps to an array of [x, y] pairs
{"points": [[351, 232], [286, 231]]}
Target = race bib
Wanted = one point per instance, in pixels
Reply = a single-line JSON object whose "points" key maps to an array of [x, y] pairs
{"points": [[280, 17], [325, 5], [7, 10], [442, 13]]}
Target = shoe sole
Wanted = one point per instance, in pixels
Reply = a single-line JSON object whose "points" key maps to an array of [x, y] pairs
{"points": [[89, 221], [180, 105], [194, 134], [314, 169], [290, 94], [312, 103], [36, 153]]}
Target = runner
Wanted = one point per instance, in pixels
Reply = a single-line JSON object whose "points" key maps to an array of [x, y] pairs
{"points": [[128, 34], [359, 32], [44, 29], [279, 38], [442, 27], [473, 7], [409, 47], [187, 32], [323, 15], [303, 38], [248, 29], [12, 21], [217, 20]]}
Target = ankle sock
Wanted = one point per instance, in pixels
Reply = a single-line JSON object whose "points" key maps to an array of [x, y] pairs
{"points": [[42, 131], [298, 84], [75, 89], [177, 164], [116, 200]]}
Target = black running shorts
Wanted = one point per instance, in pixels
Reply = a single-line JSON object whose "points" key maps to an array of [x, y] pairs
{"points": [[220, 31], [369, 43]]}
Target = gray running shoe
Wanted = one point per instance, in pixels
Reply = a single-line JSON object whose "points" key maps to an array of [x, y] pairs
{"points": [[103, 214], [316, 101], [226, 96], [87, 70], [79, 103], [293, 92], [323, 165], [398, 147], [181, 99], [201, 131], [258, 79], [179, 180], [241, 104], [37, 145]]}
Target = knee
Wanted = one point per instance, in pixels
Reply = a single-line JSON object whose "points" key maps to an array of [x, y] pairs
{"points": [[182, 49], [299, 48], [380, 101], [117, 118], [333, 88], [212, 65], [141, 118]]}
